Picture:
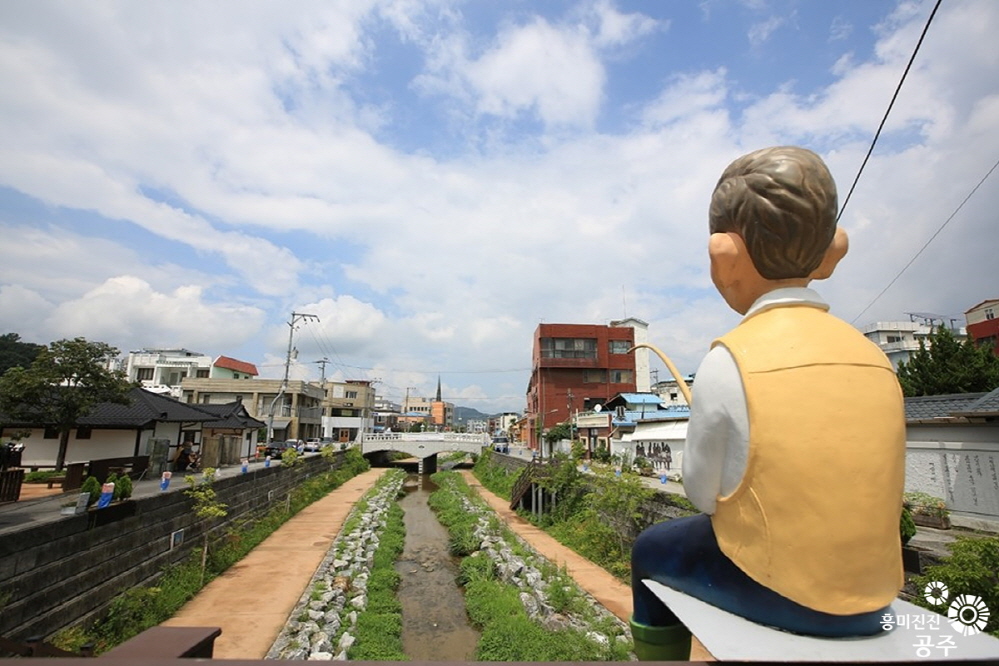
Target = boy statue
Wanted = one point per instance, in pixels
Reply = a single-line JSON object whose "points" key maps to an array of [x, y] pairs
{"points": [[796, 443]]}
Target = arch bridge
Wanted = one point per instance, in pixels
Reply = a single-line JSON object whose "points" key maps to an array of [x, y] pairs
{"points": [[423, 445]]}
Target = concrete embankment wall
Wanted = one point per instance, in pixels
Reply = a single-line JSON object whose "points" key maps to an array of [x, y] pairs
{"points": [[55, 574]]}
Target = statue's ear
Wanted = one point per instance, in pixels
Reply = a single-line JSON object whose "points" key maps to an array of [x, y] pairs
{"points": [[725, 250], [730, 268], [837, 250]]}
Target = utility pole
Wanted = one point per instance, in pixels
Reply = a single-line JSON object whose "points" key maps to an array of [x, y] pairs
{"points": [[322, 369], [295, 318]]}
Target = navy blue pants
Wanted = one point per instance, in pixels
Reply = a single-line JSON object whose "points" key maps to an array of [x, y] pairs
{"points": [[683, 554]]}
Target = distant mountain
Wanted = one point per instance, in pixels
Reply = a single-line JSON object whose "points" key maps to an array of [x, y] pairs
{"points": [[466, 414]]}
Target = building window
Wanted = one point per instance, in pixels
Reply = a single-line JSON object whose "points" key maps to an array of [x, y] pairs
{"points": [[205, 398], [351, 395], [894, 338], [594, 376], [144, 374], [990, 313], [568, 348], [202, 373], [619, 346], [621, 377], [83, 432]]}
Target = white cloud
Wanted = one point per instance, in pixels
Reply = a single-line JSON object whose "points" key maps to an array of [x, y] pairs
{"points": [[615, 28], [539, 67], [125, 311], [231, 147], [759, 33]]}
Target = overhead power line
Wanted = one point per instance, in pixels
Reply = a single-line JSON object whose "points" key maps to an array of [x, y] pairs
{"points": [[925, 245], [888, 110]]}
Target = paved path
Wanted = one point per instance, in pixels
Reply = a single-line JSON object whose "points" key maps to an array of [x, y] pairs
{"points": [[252, 600]]}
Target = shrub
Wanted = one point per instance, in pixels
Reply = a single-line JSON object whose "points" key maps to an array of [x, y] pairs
{"points": [[93, 487], [41, 476], [125, 486], [291, 457], [925, 504], [972, 568]]}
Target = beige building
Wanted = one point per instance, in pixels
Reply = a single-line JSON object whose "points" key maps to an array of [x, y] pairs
{"points": [[297, 413], [348, 409]]}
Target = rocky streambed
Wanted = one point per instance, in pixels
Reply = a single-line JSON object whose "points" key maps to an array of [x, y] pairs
{"points": [[322, 623]]}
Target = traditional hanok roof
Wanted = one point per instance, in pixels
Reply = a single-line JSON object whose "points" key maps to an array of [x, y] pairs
{"points": [[987, 405], [231, 415], [940, 406], [143, 408], [236, 365]]}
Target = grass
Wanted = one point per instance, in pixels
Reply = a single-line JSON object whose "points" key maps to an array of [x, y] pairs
{"points": [[378, 631], [494, 606]]}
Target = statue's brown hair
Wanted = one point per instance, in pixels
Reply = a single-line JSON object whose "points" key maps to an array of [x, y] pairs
{"points": [[782, 202]]}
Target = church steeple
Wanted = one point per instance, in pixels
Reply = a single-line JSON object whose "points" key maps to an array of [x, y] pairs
{"points": [[438, 398]]}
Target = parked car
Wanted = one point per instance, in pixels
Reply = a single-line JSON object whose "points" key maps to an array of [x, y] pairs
{"points": [[313, 444], [275, 449]]}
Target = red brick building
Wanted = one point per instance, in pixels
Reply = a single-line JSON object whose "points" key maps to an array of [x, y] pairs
{"points": [[983, 324], [574, 368]]}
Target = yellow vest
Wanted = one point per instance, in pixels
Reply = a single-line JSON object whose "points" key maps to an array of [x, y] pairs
{"points": [[816, 516]]}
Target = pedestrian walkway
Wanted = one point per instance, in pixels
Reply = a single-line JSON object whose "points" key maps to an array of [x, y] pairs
{"points": [[251, 601]]}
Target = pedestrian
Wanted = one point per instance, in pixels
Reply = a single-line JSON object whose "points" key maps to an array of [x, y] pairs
{"points": [[185, 457]]}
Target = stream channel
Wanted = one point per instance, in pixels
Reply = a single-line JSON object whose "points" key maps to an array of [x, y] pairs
{"points": [[434, 624]]}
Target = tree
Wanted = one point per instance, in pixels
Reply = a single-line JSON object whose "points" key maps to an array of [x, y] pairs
{"points": [[16, 354], [207, 507], [558, 432], [65, 381], [946, 365]]}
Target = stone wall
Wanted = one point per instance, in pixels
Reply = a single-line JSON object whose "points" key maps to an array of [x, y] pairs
{"points": [[59, 573]]}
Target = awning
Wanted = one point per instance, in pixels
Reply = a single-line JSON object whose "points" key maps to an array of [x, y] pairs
{"points": [[665, 431], [279, 424]]}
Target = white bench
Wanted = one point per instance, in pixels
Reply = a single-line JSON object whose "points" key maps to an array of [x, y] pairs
{"points": [[729, 637]]}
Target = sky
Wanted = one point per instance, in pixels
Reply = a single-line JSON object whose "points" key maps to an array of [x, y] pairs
{"points": [[432, 179]]}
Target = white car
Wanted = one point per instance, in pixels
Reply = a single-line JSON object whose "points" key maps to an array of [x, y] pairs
{"points": [[313, 444]]}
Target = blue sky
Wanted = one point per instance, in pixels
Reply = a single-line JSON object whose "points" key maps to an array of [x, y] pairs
{"points": [[433, 179]]}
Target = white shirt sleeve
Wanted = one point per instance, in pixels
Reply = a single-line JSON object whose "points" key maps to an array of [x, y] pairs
{"points": [[717, 446]]}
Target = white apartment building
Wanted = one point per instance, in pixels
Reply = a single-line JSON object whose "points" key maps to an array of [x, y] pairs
{"points": [[900, 339], [164, 370]]}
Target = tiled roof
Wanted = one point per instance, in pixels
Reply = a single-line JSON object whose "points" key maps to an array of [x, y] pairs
{"points": [[231, 415], [939, 406], [144, 407], [236, 365], [987, 405]]}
